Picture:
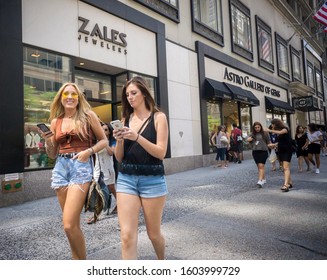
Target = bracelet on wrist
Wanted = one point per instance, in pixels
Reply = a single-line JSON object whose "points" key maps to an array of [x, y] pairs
{"points": [[137, 138], [91, 150]]}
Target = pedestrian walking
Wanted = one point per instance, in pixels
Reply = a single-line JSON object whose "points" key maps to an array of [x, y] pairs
{"points": [[141, 147], [222, 142], [285, 152], [314, 146], [301, 147], [236, 134], [260, 142], [104, 162], [323, 142], [73, 125], [273, 139]]}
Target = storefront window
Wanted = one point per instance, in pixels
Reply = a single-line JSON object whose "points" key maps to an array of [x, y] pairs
{"points": [[214, 120], [269, 118], [95, 86], [44, 73], [230, 114], [150, 81], [275, 115], [245, 123]]}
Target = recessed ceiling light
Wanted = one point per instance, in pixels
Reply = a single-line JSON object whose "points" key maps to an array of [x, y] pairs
{"points": [[81, 63]]}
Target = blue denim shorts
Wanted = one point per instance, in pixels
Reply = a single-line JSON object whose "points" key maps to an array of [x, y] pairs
{"points": [[144, 186], [69, 171]]}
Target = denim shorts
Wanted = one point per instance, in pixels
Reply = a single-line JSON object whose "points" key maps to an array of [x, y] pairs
{"points": [[69, 171], [144, 186], [221, 153]]}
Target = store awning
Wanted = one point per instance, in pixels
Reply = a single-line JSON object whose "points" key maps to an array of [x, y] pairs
{"points": [[216, 90], [306, 103], [242, 95], [278, 105]]}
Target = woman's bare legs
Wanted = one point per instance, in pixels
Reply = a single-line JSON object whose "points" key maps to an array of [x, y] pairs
{"points": [[71, 200], [287, 174], [128, 215], [153, 209], [261, 171]]}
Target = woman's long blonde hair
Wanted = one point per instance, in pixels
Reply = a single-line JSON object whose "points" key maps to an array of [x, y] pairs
{"points": [[80, 119]]}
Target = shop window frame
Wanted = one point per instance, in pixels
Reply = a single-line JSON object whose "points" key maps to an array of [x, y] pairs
{"points": [[237, 48], [283, 43], [163, 8], [266, 28], [37, 86], [319, 92], [310, 65], [297, 54], [206, 31]]}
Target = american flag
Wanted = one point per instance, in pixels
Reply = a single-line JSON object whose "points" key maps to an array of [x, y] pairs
{"points": [[265, 46], [321, 15]]}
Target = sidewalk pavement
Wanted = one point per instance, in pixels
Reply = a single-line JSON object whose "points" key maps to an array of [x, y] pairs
{"points": [[210, 213]]}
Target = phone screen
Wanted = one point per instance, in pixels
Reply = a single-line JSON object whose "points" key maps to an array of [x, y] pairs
{"points": [[43, 127]]}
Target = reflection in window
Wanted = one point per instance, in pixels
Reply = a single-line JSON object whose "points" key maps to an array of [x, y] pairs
{"points": [[318, 81], [208, 12], [241, 28], [296, 65], [265, 48], [214, 120], [171, 2], [44, 73], [150, 82], [310, 76], [282, 57], [246, 123], [94, 85], [264, 43]]}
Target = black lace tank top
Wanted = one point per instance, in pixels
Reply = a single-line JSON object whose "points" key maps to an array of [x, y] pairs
{"points": [[137, 161]]}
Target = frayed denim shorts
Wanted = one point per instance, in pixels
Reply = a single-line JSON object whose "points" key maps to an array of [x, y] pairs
{"points": [[148, 186], [69, 171]]}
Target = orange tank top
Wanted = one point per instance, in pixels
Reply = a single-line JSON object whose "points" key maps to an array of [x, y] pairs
{"points": [[69, 141]]}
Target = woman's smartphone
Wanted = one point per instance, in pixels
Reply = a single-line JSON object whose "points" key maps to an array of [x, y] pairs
{"points": [[116, 124], [43, 127]]}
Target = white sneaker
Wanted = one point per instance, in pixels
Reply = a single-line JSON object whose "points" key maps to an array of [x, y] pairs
{"points": [[260, 183], [317, 171], [263, 181]]}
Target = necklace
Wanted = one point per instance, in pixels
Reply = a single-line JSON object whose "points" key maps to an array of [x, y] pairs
{"points": [[69, 117]]}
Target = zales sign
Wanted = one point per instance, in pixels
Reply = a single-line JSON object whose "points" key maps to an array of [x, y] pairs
{"points": [[245, 80], [102, 36]]}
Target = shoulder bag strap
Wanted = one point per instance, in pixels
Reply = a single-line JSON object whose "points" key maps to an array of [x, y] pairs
{"points": [[145, 122]]}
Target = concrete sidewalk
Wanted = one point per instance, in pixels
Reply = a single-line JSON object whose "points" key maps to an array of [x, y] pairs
{"points": [[210, 214]]}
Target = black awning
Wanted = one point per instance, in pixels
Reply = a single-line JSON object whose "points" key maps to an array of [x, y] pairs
{"points": [[216, 90], [306, 103], [278, 106], [242, 95]]}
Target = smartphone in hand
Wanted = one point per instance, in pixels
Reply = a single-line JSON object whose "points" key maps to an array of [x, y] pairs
{"points": [[43, 127], [116, 124]]}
